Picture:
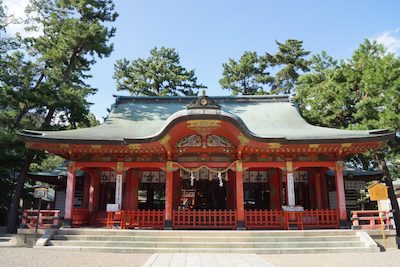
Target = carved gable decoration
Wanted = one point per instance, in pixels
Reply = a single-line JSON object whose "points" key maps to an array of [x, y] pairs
{"points": [[218, 141], [203, 102], [190, 141]]}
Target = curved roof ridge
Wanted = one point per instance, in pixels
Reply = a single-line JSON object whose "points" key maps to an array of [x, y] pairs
{"points": [[260, 117]]}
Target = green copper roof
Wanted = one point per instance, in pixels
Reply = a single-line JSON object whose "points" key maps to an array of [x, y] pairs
{"points": [[261, 117]]}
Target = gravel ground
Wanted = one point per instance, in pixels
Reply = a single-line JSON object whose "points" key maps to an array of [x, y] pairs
{"points": [[29, 257], [385, 259], [18, 256]]}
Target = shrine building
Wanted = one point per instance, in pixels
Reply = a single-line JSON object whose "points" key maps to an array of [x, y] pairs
{"points": [[226, 162]]}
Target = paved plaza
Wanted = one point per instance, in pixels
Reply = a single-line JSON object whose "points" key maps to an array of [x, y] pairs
{"points": [[28, 257]]}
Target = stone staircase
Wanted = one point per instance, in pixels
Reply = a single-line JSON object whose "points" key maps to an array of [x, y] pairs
{"points": [[261, 242]]}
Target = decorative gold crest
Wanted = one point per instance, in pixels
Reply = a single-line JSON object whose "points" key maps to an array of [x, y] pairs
{"points": [[203, 127]]}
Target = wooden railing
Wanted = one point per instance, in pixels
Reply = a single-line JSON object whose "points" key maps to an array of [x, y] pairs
{"points": [[204, 219], [264, 219], [321, 218], [275, 219], [80, 217], [369, 219], [47, 218], [143, 219]]}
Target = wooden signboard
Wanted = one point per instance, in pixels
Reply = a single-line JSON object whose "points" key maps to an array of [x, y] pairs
{"points": [[378, 191]]}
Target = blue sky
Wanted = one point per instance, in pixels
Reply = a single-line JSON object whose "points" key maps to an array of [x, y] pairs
{"points": [[207, 33]]}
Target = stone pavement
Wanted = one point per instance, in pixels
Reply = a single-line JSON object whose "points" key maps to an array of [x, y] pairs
{"points": [[205, 260]]}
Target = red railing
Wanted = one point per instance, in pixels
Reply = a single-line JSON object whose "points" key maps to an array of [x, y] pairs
{"points": [[47, 218], [369, 219], [320, 218], [205, 219], [143, 219], [80, 217], [264, 219], [275, 219]]}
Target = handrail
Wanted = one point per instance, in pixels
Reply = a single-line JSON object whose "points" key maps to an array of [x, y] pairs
{"points": [[47, 218], [369, 219]]}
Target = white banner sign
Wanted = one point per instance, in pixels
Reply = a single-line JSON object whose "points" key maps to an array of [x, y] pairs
{"points": [[290, 189], [118, 189]]}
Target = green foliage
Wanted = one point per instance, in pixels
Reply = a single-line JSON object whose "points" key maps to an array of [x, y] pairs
{"points": [[48, 163], [252, 73], [359, 93], [159, 75], [246, 77], [291, 60], [43, 78]]}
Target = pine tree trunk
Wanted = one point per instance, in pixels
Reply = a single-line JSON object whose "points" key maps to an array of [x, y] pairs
{"points": [[392, 195], [12, 218]]}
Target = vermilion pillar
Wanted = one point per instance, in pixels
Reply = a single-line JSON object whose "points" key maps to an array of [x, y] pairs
{"points": [[239, 196], [69, 194], [341, 198], [275, 190], [290, 197], [86, 187], [132, 191], [318, 189], [94, 190], [169, 178]]}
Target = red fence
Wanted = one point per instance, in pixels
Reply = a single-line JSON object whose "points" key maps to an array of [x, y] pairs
{"points": [[205, 219], [321, 218], [47, 218], [274, 219], [80, 217], [264, 219], [369, 219], [143, 219], [224, 219]]}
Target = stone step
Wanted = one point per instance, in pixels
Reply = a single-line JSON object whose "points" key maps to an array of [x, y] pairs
{"points": [[179, 245], [204, 233], [211, 239], [217, 250]]}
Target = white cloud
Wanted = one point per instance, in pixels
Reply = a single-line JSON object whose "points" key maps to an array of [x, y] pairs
{"points": [[16, 9], [391, 40]]}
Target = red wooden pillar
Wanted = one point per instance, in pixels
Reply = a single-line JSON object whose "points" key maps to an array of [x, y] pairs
{"points": [[324, 190], [177, 189], [132, 191], [94, 191], [231, 190], [239, 196], [86, 187], [290, 194], [341, 198], [169, 180], [127, 195], [275, 190], [70, 194], [318, 189]]}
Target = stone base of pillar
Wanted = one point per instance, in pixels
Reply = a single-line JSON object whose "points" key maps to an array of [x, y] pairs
{"points": [[240, 225], [67, 223], [168, 225], [343, 224]]}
